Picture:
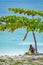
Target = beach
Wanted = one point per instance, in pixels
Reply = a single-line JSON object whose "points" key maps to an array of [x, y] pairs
{"points": [[22, 60]]}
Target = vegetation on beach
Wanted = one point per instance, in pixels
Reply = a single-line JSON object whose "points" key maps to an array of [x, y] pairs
{"points": [[2, 60], [22, 61]]}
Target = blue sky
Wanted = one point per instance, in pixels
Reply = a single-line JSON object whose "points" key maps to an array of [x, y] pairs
{"points": [[30, 4], [18, 35]]}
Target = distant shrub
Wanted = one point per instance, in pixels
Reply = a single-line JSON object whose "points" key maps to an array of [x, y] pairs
{"points": [[2, 60]]}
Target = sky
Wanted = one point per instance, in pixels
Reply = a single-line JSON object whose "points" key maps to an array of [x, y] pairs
{"points": [[18, 35], [29, 4]]}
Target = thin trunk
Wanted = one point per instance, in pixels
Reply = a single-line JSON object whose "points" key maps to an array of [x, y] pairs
{"points": [[25, 36], [35, 41], [34, 38]]}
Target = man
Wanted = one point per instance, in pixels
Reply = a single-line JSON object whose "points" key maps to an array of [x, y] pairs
{"points": [[31, 49]]}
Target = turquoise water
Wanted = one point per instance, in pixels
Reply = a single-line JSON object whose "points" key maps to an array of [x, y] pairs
{"points": [[12, 48], [12, 44], [15, 49]]}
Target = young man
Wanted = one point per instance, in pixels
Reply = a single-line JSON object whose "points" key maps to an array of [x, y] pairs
{"points": [[31, 49]]}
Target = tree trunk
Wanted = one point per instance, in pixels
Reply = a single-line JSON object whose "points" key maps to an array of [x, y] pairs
{"points": [[35, 41], [25, 35]]}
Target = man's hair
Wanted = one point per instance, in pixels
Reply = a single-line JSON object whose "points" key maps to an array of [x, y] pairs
{"points": [[30, 45]]}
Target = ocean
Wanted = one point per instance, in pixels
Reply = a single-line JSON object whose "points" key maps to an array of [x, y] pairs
{"points": [[16, 49], [11, 43]]}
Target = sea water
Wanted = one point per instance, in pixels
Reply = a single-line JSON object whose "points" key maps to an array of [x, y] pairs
{"points": [[11, 43], [15, 49]]}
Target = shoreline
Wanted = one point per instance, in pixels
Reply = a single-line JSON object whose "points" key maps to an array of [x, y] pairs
{"points": [[19, 54]]}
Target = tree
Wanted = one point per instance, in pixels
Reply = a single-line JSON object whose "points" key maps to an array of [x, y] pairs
{"points": [[28, 12], [14, 22]]}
